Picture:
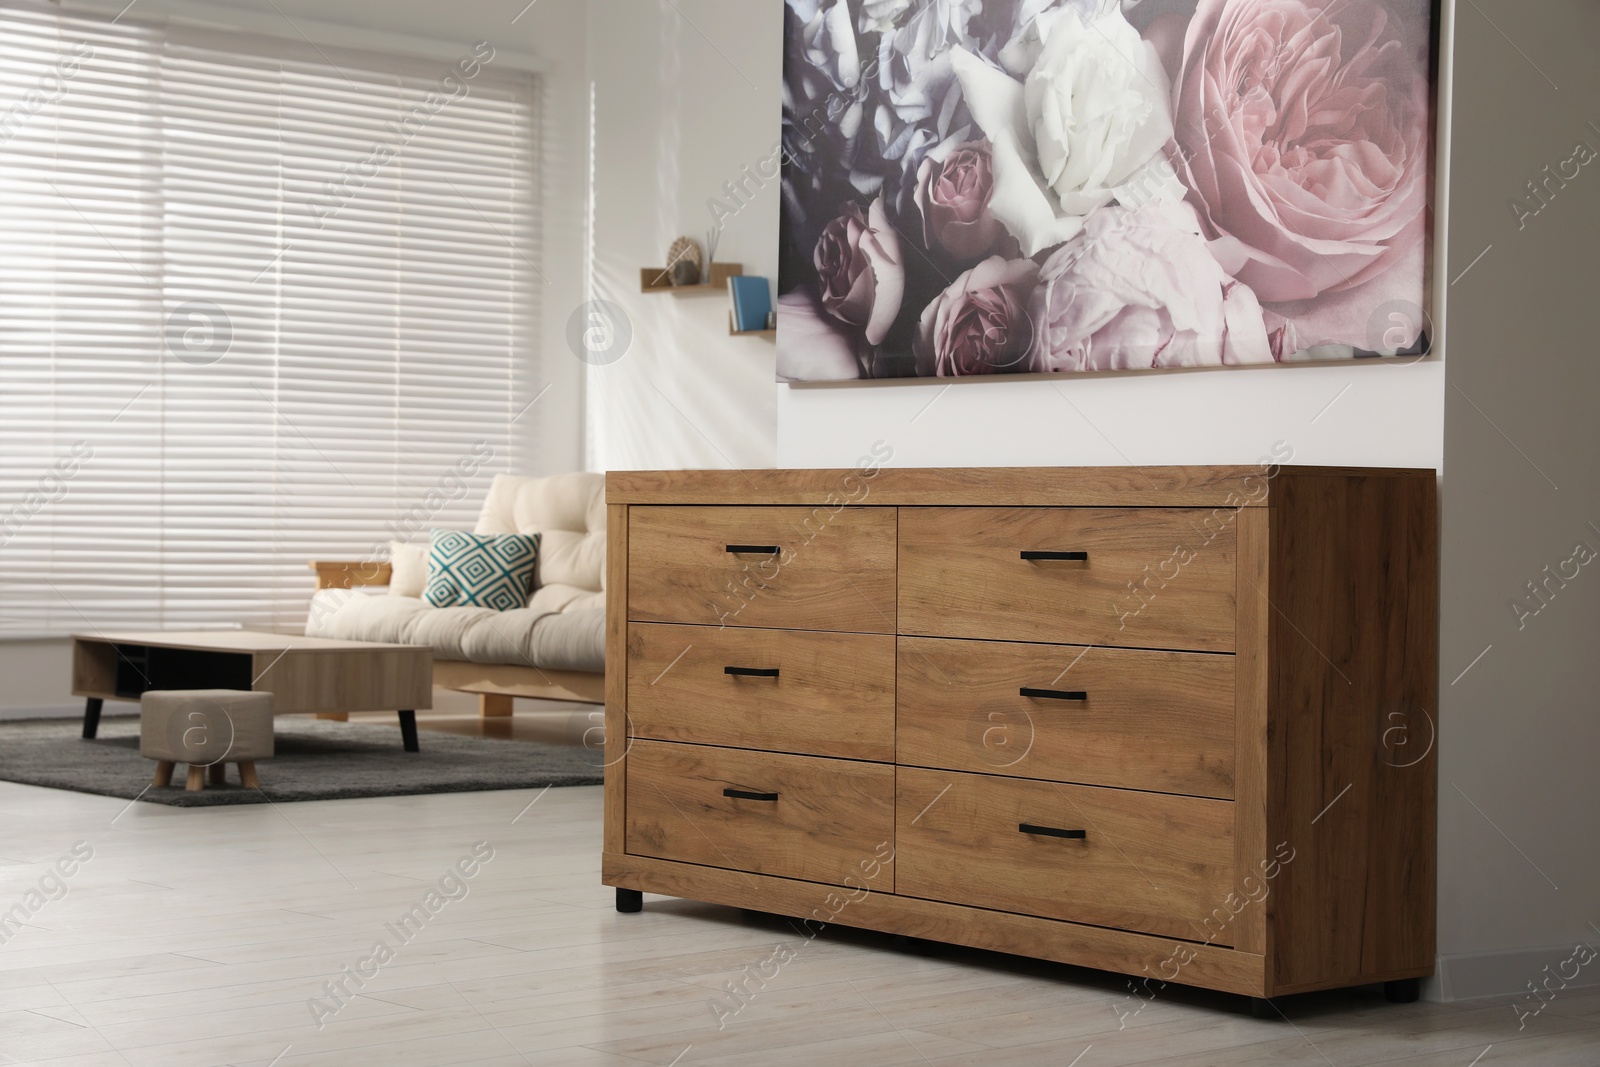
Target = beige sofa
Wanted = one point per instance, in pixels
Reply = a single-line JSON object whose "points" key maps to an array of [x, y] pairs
{"points": [[553, 649]]}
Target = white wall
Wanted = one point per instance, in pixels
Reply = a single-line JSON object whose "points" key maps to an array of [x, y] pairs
{"points": [[687, 93], [1372, 414], [1520, 731]]}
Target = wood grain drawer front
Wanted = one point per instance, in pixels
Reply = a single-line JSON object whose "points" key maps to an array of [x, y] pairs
{"points": [[1136, 577], [1145, 861], [821, 694], [1160, 721], [792, 568], [792, 816]]}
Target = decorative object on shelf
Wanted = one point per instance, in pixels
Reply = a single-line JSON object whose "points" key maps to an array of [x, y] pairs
{"points": [[683, 261], [996, 714], [659, 280], [1006, 234], [713, 238], [751, 302]]}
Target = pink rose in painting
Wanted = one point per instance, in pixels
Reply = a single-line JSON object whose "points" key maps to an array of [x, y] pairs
{"points": [[980, 324], [1303, 130], [953, 197], [1138, 289], [860, 269]]}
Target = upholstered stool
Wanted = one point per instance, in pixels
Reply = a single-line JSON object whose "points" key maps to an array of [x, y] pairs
{"points": [[205, 728]]}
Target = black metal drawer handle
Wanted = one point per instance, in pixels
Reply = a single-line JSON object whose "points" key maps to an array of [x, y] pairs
{"points": [[1053, 694], [757, 550], [745, 794], [1077, 557], [1051, 831], [751, 672]]}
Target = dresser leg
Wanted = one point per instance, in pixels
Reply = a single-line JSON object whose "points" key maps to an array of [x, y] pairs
{"points": [[91, 717], [1405, 991], [630, 901], [1262, 1008]]}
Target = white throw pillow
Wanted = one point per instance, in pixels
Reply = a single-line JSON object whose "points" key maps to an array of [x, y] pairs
{"points": [[409, 568]]}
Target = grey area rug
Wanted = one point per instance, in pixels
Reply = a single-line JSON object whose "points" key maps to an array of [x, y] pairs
{"points": [[315, 760]]}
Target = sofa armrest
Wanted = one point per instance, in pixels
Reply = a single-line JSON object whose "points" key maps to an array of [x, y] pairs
{"points": [[346, 574]]}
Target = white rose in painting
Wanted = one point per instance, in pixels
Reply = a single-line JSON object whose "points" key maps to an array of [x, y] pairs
{"points": [[828, 41], [1097, 102], [1085, 128]]}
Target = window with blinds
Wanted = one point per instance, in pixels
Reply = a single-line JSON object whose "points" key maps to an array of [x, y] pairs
{"points": [[260, 303]]}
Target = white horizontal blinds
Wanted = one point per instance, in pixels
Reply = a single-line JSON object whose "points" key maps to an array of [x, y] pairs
{"points": [[338, 357], [407, 232], [80, 323], [220, 202]]}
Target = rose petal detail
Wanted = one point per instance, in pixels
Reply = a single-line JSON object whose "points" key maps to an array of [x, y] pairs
{"points": [[1303, 137]]}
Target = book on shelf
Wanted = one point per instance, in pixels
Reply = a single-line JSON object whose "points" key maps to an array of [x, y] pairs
{"points": [[751, 302]]}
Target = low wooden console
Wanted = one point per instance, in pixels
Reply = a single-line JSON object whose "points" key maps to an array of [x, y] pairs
{"points": [[1176, 722]]}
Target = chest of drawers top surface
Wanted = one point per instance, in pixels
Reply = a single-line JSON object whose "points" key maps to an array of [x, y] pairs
{"points": [[1246, 485]]}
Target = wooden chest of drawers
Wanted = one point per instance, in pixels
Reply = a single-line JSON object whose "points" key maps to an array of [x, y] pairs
{"points": [[1177, 722]]}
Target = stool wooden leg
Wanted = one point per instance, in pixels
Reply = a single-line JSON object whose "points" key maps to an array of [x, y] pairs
{"points": [[494, 705], [247, 774], [163, 776], [217, 774], [197, 778]]}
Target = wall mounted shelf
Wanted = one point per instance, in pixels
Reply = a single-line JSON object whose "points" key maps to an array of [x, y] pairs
{"points": [[659, 280], [748, 333]]}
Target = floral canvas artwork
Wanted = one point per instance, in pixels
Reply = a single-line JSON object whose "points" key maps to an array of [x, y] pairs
{"points": [[1036, 186]]}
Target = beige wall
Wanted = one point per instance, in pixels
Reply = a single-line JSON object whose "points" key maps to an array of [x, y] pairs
{"points": [[1520, 731]]}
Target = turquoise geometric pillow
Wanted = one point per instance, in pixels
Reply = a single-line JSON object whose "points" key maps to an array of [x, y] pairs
{"points": [[480, 570]]}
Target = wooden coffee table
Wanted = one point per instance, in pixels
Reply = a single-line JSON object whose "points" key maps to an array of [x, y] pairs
{"points": [[305, 675]]}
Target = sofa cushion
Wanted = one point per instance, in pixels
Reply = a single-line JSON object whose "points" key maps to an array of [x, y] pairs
{"points": [[525, 637], [481, 570], [569, 510], [408, 573], [565, 598]]}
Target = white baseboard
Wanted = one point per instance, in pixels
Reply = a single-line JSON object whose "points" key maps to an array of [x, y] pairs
{"points": [[1497, 974]]}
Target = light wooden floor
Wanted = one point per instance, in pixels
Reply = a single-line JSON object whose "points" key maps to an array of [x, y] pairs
{"points": [[198, 937]]}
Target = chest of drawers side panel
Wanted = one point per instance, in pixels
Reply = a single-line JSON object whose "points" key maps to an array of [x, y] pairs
{"points": [[1254, 858], [616, 713], [1354, 659]]}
